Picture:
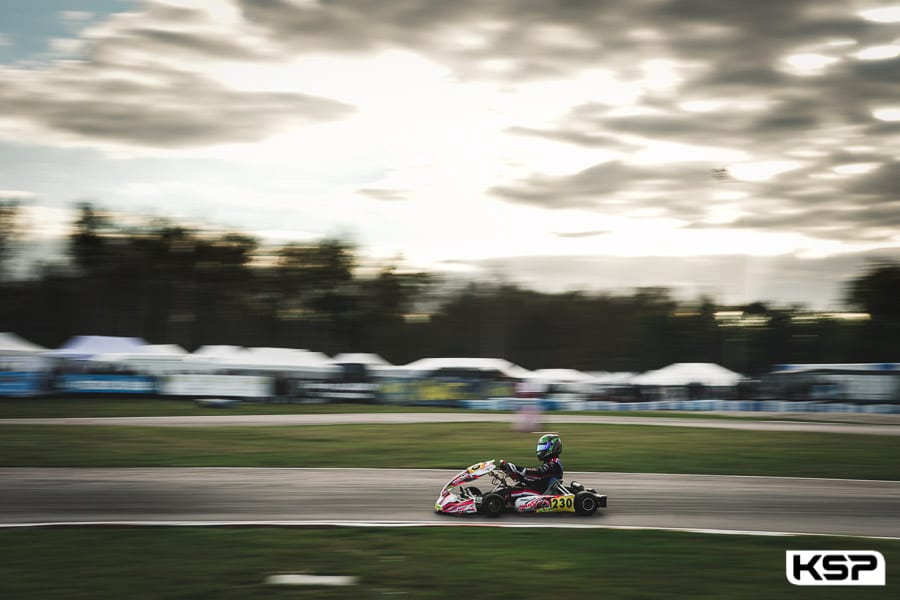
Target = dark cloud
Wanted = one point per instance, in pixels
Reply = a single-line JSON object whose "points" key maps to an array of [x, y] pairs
{"points": [[882, 183], [174, 109], [537, 37], [617, 188]]}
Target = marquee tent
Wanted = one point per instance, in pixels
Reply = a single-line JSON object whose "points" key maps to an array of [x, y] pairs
{"points": [[560, 376], [292, 360], [429, 365], [372, 364], [162, 350], [11, 344], [361, 358], [677, 374], [151, 359], [17, 354], [88, 346]]}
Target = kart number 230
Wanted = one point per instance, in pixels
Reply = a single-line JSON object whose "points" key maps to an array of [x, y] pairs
{"points": [[563, 503]]}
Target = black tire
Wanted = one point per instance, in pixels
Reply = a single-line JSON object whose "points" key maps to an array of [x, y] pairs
{"points": [[473, 491], [492, 505], [586, 504]]}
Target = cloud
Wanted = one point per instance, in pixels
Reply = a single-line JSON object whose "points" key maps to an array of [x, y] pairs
{"points": [[611, 111], [142, 84], [508, 38], [738, 95], [173, 109], [385, 194]]}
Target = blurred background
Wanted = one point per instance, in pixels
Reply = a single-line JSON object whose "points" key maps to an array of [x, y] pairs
{"points": [[557, 185]]}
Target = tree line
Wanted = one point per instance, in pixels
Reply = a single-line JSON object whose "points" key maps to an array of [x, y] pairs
{"points": [[171, 283]]}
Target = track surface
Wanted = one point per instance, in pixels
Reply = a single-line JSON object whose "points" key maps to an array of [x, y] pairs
{"points": [[461, 417], [347, 496]]}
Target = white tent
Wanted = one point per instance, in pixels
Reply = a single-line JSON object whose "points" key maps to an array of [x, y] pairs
{"points": [[612, 378], [708, 374], [558, 380], [151, 359], [17, 354], [505, 367], [561, 376], [361, 358], [11, 344], [85, 347], [162, 350], [293, 360], [374, 365], [215, 352], [209, 358]]}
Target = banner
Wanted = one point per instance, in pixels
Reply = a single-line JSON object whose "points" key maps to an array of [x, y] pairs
{"points": [[442, 391], [238, 386], [80, 383], [21, 383]]}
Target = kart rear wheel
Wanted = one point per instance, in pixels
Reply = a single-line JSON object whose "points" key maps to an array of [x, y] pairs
{"points": [[585, 504], [492, 505]]}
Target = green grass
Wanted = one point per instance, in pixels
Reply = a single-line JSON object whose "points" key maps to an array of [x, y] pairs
{"points": [[70, 407], [94, 407], [225, 563], [625, 448]]}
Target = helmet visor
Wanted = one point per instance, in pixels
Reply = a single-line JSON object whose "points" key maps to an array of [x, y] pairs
{"points": [[543, 446]]}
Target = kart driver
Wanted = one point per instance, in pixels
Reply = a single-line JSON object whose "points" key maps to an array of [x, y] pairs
{"points": [[537, 480]]}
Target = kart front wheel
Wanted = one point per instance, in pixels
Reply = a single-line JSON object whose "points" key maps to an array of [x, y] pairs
{"points": [[585, 503], [473, 491], [492, 505]]}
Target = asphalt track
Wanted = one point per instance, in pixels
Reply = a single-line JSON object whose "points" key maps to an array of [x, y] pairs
{"points": [[201, 496], [460, 417], [207, 496]]}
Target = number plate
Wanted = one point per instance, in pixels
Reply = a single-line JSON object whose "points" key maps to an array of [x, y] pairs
{"points": [[560, 504]]}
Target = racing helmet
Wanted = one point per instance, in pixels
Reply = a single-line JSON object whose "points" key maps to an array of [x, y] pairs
{"points": [[549, 446]]}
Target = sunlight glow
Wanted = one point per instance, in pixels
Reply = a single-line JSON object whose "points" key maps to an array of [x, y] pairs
{"points": [[808, 63], [887, 114], [856, 168], [878, 52], [887, 14]]}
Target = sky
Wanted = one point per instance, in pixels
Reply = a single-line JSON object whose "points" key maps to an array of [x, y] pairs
{"points": [[744, 151]]}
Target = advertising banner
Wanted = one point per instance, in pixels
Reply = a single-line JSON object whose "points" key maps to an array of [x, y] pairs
{"points": [[442, 391], [236, 386], [21, 383], [83, 383]]}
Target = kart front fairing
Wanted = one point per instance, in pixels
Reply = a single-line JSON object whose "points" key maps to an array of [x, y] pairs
{"points": [[459, 500]]}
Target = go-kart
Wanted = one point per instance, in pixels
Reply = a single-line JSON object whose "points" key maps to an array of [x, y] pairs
{"points": [[559, 497]]}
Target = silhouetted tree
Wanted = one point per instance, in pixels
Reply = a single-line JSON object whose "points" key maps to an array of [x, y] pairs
{"points": [[10, 230]]}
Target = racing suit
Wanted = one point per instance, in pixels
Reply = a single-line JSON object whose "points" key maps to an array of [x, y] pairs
{"points": [[534, 481]]}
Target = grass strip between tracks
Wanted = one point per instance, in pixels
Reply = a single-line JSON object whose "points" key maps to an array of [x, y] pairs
{"points": [[225, 563], [71, 407], [588, 447]]}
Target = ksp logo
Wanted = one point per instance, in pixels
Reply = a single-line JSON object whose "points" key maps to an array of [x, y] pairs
{"points": [[835, 567]]}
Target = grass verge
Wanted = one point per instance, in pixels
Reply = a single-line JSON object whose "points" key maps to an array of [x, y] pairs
{"points": [[225, 563], [625, 448], [72, 407], [97, 407]]}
